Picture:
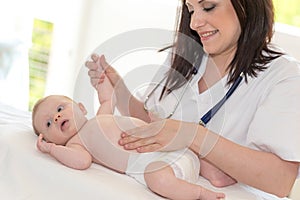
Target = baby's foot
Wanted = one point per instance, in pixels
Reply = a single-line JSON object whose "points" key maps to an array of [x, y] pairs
{"points": [[210, 195], [222, 181], [215, 176]]}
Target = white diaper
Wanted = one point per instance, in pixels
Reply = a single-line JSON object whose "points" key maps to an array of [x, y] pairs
{"points": [[184, 163]]}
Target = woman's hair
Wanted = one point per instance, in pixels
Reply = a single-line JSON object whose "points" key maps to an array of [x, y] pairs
{"points": [[256, 19]]}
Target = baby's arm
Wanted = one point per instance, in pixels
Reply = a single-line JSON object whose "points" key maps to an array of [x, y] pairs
{"points": [[73, 156], [105, 95]]}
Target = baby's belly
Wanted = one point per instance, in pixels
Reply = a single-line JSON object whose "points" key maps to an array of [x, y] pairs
{"points": [[101, 135]]}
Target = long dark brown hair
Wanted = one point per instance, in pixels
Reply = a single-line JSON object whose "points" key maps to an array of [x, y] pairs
{"points": [[256, 19]]}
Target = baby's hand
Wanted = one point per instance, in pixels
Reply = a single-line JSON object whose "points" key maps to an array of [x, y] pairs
{"points": [[42, 145], [105, 89]]}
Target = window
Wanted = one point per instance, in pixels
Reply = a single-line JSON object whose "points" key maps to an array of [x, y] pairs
{"points": [[38, 59], [287, 12]]}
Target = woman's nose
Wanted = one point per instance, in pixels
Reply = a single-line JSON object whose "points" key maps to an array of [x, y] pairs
{"points": [[56, 117], [197, 20]]}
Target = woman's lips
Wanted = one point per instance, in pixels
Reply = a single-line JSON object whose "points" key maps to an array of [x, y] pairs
{"points": [[206, 35]]}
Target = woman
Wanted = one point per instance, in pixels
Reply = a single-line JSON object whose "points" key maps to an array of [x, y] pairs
{"points": [[255, 139]]}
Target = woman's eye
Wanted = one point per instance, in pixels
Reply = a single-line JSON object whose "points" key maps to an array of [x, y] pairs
{"points": [[48, 123], [60, 108], [208, 8]]}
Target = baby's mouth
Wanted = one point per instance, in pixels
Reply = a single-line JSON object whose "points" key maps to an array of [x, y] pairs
{"points": [[64, 125]]}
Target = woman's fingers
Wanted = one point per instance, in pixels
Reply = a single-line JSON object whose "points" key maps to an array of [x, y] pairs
{"points": [[143, 138], [165, 135], [99, 64], [91, 65], [94, 64], [94, 57], [133, 142], [140, 144], [94, 74], [149, 148], [105, 66], [96, 77]]}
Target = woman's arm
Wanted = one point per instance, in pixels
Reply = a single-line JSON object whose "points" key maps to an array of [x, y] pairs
{"points": [[264, 171]]}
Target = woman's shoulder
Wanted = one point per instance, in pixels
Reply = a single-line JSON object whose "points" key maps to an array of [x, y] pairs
{"points": [[284, 67], [279, 70]]}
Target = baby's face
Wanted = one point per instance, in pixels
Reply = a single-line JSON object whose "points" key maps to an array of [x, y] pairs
{"points": [[59, 119]]}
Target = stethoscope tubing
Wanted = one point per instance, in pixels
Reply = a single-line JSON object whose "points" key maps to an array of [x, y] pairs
{"points": [[209, 114]]}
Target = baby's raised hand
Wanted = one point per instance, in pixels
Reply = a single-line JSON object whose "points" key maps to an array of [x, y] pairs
{"points": [[42, 145], [104, 89]]}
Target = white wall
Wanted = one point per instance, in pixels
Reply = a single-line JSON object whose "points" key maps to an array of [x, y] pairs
{"points": [[106, 20], [66, 16], [14, 66], [288, 37]]}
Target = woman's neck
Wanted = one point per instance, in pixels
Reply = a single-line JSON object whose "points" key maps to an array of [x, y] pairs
{"points": [[216, 69], [222, 61]]}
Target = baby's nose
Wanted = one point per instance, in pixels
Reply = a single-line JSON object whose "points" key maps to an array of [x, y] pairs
{"points": [[57, 117]]}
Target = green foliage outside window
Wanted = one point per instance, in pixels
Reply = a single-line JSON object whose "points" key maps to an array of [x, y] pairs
{"points": [[287, 12], [38, 59]]}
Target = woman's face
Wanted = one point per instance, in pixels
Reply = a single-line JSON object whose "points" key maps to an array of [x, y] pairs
{"points": [[216, 23]]}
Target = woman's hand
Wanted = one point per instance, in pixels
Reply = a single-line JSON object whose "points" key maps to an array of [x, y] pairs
{"points": [[97, 66], [162, 135]]}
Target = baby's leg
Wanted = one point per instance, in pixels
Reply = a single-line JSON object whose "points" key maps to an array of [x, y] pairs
{"points": [[215, 176], [160, 178]]}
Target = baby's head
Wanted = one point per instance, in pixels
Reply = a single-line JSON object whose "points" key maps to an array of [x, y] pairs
{"points": [[58, 118]]}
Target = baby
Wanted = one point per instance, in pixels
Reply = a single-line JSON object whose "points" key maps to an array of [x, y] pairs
{"points": [[67, 135]]}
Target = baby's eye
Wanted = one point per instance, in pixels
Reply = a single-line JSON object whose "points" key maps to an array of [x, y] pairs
{"points": [[60, 108], [49, 123]]}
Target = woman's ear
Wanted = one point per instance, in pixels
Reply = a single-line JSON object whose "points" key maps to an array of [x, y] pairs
{"points": [[82, 108]]}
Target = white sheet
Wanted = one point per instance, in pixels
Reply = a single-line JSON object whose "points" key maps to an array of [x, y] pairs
{"points": [[27, 174]]}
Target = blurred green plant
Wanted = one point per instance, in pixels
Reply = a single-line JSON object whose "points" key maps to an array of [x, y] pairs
{"points": [[38, 59], [287, 12]]}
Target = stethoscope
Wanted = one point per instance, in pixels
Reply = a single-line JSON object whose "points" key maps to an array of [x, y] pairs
{"points": [[209, 114]]}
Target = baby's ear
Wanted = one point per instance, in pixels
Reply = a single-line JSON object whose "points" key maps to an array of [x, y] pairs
{"points": [[43, 137], [82, 108]]}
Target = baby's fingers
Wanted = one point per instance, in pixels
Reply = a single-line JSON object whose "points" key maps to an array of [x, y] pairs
{"points": [[39, 142]]}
